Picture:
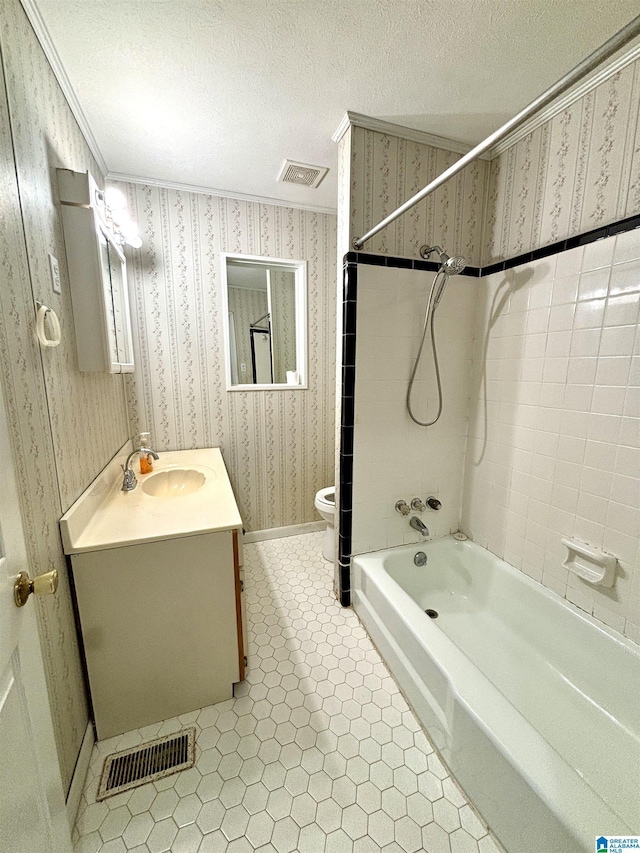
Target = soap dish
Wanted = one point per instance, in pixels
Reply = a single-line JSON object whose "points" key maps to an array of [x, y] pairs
{"points": [[593, 566]]}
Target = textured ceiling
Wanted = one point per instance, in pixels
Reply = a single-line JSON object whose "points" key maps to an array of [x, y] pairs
{"points": [[217, 93]]}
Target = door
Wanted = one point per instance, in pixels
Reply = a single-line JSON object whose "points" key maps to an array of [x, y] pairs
{"points": [[33, 816], [261, 356]]}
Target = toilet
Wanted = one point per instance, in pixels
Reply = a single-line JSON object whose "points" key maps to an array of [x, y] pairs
{"points": [[325, 503]]}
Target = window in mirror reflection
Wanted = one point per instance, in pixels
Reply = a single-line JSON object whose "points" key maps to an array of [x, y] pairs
{"points": [[265, 321]]}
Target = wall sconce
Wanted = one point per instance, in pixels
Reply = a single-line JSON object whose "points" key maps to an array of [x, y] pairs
{"points": [[114, 205]]}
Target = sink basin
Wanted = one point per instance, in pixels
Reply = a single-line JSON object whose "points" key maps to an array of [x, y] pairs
{"points": [[105, 517], [173, 483]]}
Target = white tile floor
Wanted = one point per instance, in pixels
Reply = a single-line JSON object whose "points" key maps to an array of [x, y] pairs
{"points": [[317, 753]]}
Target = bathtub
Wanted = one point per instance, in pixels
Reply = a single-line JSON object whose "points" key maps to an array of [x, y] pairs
{"points": [[534, 706]]}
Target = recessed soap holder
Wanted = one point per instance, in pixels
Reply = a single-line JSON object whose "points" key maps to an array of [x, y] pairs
{"points": [[593, 566]]}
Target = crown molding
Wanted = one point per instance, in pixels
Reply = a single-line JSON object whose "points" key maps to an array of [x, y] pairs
{"points": [[604, 73], [193, 188], [351, 119], [42, 34]]}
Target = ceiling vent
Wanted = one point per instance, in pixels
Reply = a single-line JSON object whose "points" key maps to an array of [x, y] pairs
{"points": [[302, 173]]}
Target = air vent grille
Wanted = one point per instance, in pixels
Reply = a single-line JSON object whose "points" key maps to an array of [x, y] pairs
{"points": [[302, 173], [153, 760]]}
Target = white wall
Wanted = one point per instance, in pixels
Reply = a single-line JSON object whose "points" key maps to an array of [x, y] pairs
{"points": [[393, 457], [554, 433]]}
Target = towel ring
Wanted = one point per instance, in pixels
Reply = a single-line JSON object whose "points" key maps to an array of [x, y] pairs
{"points": [[43, 310]]}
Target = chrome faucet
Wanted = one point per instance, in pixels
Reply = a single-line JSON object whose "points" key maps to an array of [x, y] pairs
{"points": [[418, 525], [129, 481]]}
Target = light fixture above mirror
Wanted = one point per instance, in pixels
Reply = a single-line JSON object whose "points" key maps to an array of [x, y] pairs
{"points": [[265, 320]]}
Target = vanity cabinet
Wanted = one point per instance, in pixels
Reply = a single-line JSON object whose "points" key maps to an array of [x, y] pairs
{"points": [[162, 627]]}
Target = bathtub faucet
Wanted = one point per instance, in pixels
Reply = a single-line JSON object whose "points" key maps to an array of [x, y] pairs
{"points": [[418, 525]]}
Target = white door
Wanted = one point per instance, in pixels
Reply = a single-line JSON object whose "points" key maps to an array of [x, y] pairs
{"points": [[261, 343], [33, 817]]}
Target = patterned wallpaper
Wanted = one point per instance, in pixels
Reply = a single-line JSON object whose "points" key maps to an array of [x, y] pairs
{"points": [[387, 170], [277, 445], [576, 172], [65, 425]]}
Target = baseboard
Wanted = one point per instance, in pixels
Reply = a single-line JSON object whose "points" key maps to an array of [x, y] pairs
{"points": [[79, 775], [281, 532]]}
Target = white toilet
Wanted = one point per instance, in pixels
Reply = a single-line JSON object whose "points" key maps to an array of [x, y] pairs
{"points": [[325, 503]]}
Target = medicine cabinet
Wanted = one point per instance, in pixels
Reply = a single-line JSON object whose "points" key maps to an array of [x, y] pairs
{"points": [[97, 277]]}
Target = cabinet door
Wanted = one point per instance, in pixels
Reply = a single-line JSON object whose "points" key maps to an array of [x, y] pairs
{"points": [[123, 350], [98, 284], [110, 318], [159, 628]]}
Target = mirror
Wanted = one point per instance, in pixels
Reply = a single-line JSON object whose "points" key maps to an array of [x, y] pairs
{"points": [[265, 322]]}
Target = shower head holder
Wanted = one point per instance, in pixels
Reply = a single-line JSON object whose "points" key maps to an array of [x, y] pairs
{"points": [[427, 251]]}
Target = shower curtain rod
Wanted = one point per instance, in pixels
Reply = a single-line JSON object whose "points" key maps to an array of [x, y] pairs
{"points": [[621, 38]]}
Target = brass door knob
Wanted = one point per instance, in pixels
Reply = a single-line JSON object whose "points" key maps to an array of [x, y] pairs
{"points": [[45, 584]]}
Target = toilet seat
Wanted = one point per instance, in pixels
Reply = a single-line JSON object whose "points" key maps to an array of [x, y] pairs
{"points": [[327, 497]]}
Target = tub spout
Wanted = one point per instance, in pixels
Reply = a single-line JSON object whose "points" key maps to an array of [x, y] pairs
{"points": [[418, 525]]}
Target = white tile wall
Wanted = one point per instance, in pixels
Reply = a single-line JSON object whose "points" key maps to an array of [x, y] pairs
{"points": [[554, 433], [393, 457]]}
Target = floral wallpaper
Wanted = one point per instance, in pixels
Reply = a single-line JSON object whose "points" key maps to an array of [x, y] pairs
{"points": [[65, 425], [387, 170], [278, 445], [576, 172]]}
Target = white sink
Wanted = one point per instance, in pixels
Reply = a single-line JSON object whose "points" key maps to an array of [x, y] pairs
{"points": [[106, 517], [173, 483]]}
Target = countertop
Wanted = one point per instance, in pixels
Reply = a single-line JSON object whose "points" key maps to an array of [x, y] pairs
{"points": [[106, 517]]}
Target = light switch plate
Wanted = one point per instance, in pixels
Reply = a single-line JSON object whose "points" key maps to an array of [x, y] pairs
{"points": [[55, 274]]}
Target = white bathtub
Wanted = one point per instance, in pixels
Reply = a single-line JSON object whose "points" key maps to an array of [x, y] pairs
{"points": [[534, 706]]}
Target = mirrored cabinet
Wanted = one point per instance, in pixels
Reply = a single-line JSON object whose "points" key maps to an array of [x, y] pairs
{"points": [[97, 277]]}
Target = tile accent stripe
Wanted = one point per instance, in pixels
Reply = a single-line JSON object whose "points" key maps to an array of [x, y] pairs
{"points": [[347, 427], [618, 227]]}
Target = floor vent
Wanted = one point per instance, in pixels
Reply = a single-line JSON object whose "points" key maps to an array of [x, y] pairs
{"points": [[301, 173], [147, 762]]}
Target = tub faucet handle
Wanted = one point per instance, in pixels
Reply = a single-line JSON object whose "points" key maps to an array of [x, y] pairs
{"points": [[418, 505], [403, 507], [434, 503]]}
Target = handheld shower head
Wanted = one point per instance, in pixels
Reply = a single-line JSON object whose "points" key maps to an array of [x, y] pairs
{"points": [[453, 266]]}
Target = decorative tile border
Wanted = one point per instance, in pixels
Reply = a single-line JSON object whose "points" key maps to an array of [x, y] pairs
{"points": [[347, 424], [611, 230], [619, 227], [349, 307]]}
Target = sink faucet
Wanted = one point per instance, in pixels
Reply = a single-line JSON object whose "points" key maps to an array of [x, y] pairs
{"points": [[129, 481], [418, 525]]}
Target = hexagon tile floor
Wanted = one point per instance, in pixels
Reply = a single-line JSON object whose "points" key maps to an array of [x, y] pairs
{"points": [[317, 753]]}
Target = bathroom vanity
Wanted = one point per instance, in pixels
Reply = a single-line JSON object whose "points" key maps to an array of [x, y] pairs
{"points": [[157, 576]]}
